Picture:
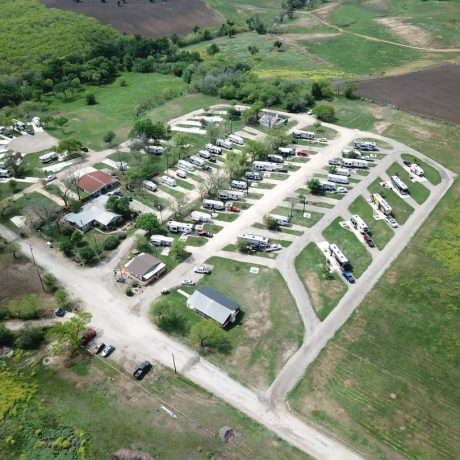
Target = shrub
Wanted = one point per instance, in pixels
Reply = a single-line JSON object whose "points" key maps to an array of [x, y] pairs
{"points": [[90, 99], [51, 283], [111, 242], [66, 246], [6, 336], [325, 112], [129, 291], [87, 254], [30, 338], [29, 306]]}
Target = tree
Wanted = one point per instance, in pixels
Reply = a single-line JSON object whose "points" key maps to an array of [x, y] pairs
{"points": [[109, 138], [4, 206], [68, 334], [210, 336], [119, 205], [6, 336], [271, 223], [314, 186], [253, 50], [178, 249], [110, 243], [76, 237], [324, 112], [145, 129], [278, 45], [350, 88], [66, 246], [87, 254], [256, 150], [70, 146], [13, 163], [180, 205], [332, 169], [252, 114], [60, 122], [212, 131], [30, 338], [212, 50], [148, 222], [165, 316], [90, 99]]}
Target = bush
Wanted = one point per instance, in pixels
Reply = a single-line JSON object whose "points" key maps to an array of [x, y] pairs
{"points": [[129, 291], [30, 338], [121, 236], [29, 306], [51, 283], [324, 112], [90, 99], [6, 336], [87, 254], [66, 246], [111, 242]]}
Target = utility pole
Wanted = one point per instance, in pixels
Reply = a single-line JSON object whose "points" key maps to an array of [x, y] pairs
{"points": [[38, 271], [174, 363]]}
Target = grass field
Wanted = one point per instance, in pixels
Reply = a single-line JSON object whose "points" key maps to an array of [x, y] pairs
{"points": [[416, 190], [381, 232], [6, 190], [397, 350], [267, 331], [354, 249], [297, 217], [401, 210], [324, 289], [432, 174]]}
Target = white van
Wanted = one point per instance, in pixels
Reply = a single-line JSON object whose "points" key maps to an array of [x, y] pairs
{"points": [[236, 139], [182, 174], [149, 185], [185, 165], [168, 181], [239, 184]]}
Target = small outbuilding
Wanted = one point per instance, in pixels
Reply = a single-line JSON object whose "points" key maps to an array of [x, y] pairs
{"points": [[145, 268], [213, 305]]}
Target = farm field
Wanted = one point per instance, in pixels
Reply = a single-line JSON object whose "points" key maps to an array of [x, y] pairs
{"points": [[263, 322], [150, 19], [324, 289], [367, 385], [432, 92]]}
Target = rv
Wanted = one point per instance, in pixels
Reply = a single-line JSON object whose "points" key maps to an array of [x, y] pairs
{"points": [[199, 216], [197, 161], [161, 240], [179, 227], [366, 146], [416, 169], [339, 255], [224, 143], [230, 195], [381, 204], [149, 185], [204, 154], [286, 152], [280, 220], [253, 175], [299, 134], [239, 184], [355, 163], [264, 166], [399, 185], [359, 224], [155, 149], [260, 242], [337, 179], [214, 205], [327, 187], [182, 164], [236, 139], [182, 174], [168, 181], [213, 149], [342, 172], [4, 173], [48, 157], [275, 158], [36, 122]]}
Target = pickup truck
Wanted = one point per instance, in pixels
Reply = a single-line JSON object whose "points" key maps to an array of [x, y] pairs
{"points": [[87, 337], [142, 370], [348, 276]]}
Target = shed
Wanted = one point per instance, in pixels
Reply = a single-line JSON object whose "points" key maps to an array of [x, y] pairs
{"points": [[145, 268]]}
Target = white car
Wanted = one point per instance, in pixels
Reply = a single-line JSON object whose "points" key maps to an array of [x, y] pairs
{"points": [[341, 190], [202, 269], [188, 282], [50, 178], [392, 222], [107, 351], [322, 140], [122, 166], [274, 247]]}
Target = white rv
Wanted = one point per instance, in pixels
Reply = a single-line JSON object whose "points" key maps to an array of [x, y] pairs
{"points": [[213, 149], [197, 161], [224, 143], [199, 216], [264, 166], [179, 227], [359, 224], [4, 173], [161, 240], [204, 154], [337, 179], [149, 185], [254, 175], [230, 195], [239, 184], [280, 220], [286, 151], [338, 254], [155, 149], [214, 205], [342, 172], [416, 169], [275, 158], [327, 187], [236, 139], [355, 163], [254, 240], [399, 185], [299, 134], [48, 157], [168, 181], [382, 204], [182, 164]]}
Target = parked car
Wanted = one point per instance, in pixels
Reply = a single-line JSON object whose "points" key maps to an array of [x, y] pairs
{"points": [[334, 162], [107, 351], [407, 163], [302, 153], [50, 178], [322, 140], [187, 282], [60, 312], [205, 168], [234, 209], [98, 347], [118, 193], [391, 221], [202, 269], [274, 247], [212, 160], [142, 370], [349, 277], [341, 190], [164, 291], [84, 149], [87, 337], [369, 240], [205, 234]]}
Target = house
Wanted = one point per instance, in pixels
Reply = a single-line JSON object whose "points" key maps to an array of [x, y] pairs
{"points": [[145, 268], [97, 182], [93, 214], [212, 305], [272, 120]]}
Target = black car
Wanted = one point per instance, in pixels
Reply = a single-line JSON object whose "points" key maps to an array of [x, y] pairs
{"points": [[205, 168], [212, 160], [118, 193], [60, 312], [142, 370], [407, 163], [84, 149]]}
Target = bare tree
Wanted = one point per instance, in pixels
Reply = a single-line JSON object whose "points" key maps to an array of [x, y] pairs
{"points": [[180, 205]]}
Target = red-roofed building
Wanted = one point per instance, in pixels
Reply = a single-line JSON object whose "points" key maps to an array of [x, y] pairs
{"points": [[97, 182]]}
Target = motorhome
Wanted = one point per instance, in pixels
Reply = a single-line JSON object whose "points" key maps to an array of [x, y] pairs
{"points": [[355, 163], [236, 139], [338, 255], [199, 216], [4, 173], [359, 224], [182, 164], [280, 220], [299, 134], [149, 185], [286, 151], [365, 145], [275, 158], [48, 157], [227, 195], [36, 121], [382, 204], [168, 181], [213, 149], [179, 227], [254, 240], [239, 184], [253, 175], [342, 172], [204, 154], [417, 170], [181, 173], [161, 240], [214, 205], [327, 187], [224, 143], [155, 149], [197, 161], [399, 185], [264, 166], [337, 179]]}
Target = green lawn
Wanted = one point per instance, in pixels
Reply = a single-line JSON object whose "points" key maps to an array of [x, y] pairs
{"points": [[33, 166], [184, 184], [297, 217], [177, 194], [267, 331], [381, 232], [227, 216], [432, 174], [213, 228], [324, 289], [321, 131], [388, 381], [289, 231], [196, 240], [416, 190], [401, 210], [6, 190], [354, 249]]}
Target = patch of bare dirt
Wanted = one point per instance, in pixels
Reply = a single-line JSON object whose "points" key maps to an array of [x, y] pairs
{"points": [[258, 322], [311, 280], [379, 5], [325, 11], [301, 21], [412, 34]]}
